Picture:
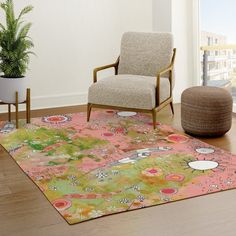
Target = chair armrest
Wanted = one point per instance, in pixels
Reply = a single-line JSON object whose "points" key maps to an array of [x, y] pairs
{"points": [[96, 70], [164, 71], [169, 70]]}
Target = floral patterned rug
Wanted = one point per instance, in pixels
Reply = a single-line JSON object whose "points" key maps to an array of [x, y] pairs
{"points": [[115, 163]]}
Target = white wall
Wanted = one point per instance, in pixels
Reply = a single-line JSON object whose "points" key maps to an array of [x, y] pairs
{"points": [[180, 24], [71, 38], [162, 15], [183, 34]]}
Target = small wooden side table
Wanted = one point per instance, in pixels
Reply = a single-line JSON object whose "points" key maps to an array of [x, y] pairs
{"points": [[27, 102]]}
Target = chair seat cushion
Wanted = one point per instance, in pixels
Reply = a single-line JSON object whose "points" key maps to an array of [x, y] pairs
{"points": [[128, 91]]}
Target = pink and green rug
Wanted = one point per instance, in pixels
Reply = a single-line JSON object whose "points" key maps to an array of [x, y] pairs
{"points": [[115, 163]]}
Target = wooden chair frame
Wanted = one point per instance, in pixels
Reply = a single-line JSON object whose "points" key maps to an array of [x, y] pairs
{"points": [[159, 105]]}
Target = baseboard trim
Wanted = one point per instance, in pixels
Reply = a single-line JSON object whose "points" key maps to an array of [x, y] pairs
{"points": [[52, 101], [60, 100]]}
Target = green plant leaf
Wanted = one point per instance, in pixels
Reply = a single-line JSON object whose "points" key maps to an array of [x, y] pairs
{"points": [[2, 26], [25, 10], [15, 44], [24, 30]]}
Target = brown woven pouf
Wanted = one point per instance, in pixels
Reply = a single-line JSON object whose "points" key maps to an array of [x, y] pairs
{"points": [[206, 111]]}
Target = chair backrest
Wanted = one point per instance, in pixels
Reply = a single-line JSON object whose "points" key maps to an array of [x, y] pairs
{"points": [[145, 53]]}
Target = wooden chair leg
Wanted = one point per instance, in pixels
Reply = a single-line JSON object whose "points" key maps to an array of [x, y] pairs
{"points": [[172, 108], [9, 112], [154, 117], [89, 109]]}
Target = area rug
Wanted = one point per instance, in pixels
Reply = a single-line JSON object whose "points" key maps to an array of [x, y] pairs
{"points": [[115, 163]]}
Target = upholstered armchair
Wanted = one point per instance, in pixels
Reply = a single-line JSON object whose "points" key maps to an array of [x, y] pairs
{"points": [[143, 79]]}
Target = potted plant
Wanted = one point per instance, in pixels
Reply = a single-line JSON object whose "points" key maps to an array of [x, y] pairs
{"points": [[15, 53]]}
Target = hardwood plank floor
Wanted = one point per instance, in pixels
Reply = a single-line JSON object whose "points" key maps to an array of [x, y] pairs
{"points": [[25, 211]]}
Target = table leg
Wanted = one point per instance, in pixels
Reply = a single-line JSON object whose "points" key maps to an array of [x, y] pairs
{"points": [[17, 111], [9, 112], [28, 104]]}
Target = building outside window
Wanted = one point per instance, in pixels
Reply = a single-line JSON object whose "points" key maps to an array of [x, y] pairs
{"points": [[219, 31]]}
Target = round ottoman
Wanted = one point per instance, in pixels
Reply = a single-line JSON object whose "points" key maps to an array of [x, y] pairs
{"points": [[206, 111]]}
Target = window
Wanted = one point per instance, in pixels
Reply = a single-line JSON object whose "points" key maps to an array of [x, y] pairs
{"points": [[209, 41], [217, 27]]}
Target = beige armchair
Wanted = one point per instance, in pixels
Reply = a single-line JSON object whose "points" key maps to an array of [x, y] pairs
{"points": [[143, 79]]}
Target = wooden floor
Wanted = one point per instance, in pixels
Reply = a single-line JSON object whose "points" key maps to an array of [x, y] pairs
{"points": [[25, 211]]}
